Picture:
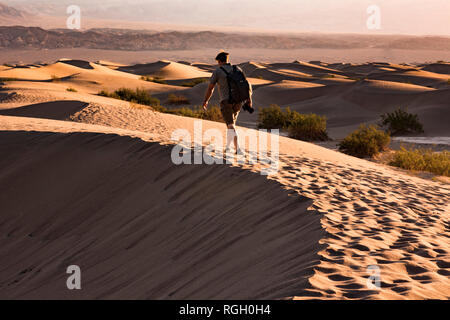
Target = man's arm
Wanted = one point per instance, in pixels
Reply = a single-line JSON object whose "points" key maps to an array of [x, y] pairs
{"points": [[250, 100], [208, 95]]}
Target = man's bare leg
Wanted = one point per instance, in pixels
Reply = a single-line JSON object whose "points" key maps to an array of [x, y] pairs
{"points": [[232, 135]]}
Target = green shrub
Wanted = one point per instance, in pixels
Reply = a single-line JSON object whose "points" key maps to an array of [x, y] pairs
{"points": [[185, 112], [272, 118], [308, 127], [212, 113], [194, 82], [154, 79], [105, 93], [139, 96], [422, 160], [401, 122], [366, 141], [71, 90], [8, 79], [177, 99]]}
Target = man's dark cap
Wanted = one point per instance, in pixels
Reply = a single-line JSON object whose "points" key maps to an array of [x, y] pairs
{"points": [[222, 57]]}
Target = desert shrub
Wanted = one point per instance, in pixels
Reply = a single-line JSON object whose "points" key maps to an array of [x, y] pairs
{"points": [[105, 93], [194, 82], [308, 127], [366, 141], [154, 79], [177, 99], [185, 112], [422, 160], [134, 105], [71, 90], [291, 117], [7, 79], [212, 113], [142, 97], [272, 118], [401, 122], [55, 78], [137, 95]]}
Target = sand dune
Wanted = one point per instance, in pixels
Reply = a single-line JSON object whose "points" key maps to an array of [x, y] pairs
{"points": [[443, 68], [223, 250], [110, 64], [45, 73], [304, 67], [84, 76], [250, 67], [352, 194], [421, 78], [292, 72], [58, 110], [332, 90], [365, 101], [78, 63], [368, 68], [167, 70], [203, 66], [286, 92], [99, 190], [277, 75]]}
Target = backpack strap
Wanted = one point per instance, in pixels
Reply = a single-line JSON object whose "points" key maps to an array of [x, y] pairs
{"points": [[226, 72], [230, 100]]}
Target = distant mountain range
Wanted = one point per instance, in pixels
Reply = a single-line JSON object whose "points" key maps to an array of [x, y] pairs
{"points": [[18, 32], [10, 15], [414, 17], [17, 37]]}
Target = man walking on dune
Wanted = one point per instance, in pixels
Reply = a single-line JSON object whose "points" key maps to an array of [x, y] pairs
{"points": [[234, 92]]}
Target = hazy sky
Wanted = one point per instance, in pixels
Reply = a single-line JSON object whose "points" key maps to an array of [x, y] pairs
{"points": [[397, 16]]}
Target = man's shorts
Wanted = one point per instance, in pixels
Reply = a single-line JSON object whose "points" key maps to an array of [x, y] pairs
{"points": [[230, 111]]}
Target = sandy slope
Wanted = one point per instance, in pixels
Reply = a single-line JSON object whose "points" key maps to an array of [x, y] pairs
{"points": [[141, 227], [443, 68], [90, 173], [84, 76], [167, 70], [347, 94], [348, 105], [421, 78]]}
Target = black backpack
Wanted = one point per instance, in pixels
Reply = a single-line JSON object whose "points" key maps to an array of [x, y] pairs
{"points": [[238, 86]]}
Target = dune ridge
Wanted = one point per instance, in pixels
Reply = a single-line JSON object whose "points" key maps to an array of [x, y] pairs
{"points": [[171, 237], [342, 214]]}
